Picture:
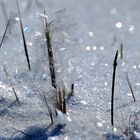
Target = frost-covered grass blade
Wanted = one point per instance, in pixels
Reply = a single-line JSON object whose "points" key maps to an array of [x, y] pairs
{"points": [[50, 53], [5, 30], [23, 37]]}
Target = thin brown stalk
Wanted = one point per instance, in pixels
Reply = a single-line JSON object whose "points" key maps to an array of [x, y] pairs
{"points": [[121, 51], [19, 131], [50, 53], [23, 37], [130, 87], [49, 109], [64, 103], [13, 89], [72, 89], [5, 30], [61, 101], [58, 104], [113, 87]]}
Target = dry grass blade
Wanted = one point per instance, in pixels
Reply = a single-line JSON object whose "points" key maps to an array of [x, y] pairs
{"points": [[49, 109], [23, 37], [13, 89], [72, 89], [121, 51], [130, 87], [61, 101], [50, 54], [19, 131], [64, 103], [113, 86], [5, 30]]}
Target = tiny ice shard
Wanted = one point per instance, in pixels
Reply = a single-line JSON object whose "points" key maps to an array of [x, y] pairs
{"points": [[94, 48], [105, 83], [88, 48], [134, 67], [92, 64], [118, 25], [99, 124], [129, 94], [53, 138], [115, 129], [17, 18], [26, 29], [90, 34], [83, 102], [137, 134], [131, 29], [42, 15], [102, 48], [62, 49], [138, 84], [37, 33]]}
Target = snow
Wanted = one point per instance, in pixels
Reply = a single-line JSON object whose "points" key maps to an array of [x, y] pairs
{"points": [[85, 38]]}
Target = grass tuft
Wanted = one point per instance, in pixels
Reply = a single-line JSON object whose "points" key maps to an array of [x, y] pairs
{"points": [[23, 37]]}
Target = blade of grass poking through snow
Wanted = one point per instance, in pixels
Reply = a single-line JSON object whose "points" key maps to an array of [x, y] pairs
{"points": [[50, 53], [121, 51], [130, 87], [5, 30], [19, 131], [113, 87], [64, 103], [13, 89], [72, 89], [23, 37], [49, 109], [60, 99]]}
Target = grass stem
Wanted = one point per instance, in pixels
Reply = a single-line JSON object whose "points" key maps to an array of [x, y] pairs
{"points": [[113, 87]]}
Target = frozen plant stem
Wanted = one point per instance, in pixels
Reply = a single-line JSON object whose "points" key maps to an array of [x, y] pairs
{"points": [[61, 101], [64, 103], [17, 99], [19, 131], [49, 109], [50, 54], [121, 51], [113, 86], [5, 30], [130, 87], [23, 37], [72, 89], [13, 89]]}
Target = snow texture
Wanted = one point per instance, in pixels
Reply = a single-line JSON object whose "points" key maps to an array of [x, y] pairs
{"points": [[85, 37]]}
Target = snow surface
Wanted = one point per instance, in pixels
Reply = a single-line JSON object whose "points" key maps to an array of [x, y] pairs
{"points": [[86, 35]]}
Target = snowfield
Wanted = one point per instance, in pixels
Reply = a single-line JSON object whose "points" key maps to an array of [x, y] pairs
{"points": [[85, 35]]}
